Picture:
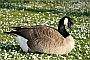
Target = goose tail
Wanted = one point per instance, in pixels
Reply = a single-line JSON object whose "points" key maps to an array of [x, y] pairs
{"points": [[11, 32]]}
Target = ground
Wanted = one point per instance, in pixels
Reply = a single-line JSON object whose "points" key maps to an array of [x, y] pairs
{"points": [[30, 13]]}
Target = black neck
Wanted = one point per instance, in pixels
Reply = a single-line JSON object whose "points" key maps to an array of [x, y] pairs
{"points": [[62, 30]]}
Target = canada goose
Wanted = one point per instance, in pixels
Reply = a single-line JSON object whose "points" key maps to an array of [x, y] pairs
{"points": [[45, 39]]}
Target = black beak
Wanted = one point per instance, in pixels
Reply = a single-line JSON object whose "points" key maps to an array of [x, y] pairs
{"points": [[70, 24]]}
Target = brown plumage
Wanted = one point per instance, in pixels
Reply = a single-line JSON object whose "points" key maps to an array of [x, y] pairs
{"points": [[48, 40], [45, 39]]}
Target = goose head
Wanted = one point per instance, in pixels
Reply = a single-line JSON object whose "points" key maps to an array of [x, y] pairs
{"points": [[63, 23], [66, 22]]}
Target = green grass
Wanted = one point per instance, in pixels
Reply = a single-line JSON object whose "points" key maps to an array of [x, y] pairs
{"points": [[40, 13]]}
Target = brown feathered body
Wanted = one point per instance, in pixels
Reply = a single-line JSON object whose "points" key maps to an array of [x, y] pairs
{"points": [[45, 39]]}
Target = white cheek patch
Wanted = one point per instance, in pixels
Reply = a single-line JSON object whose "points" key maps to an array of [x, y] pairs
{"points": [[23, 43], [66, 21]]}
